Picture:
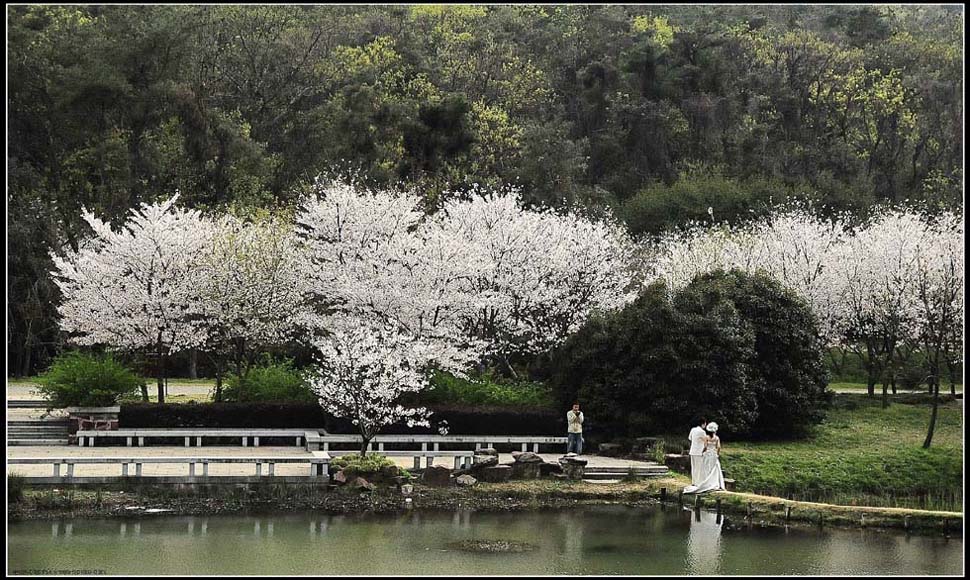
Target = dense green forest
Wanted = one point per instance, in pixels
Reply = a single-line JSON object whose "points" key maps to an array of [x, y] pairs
{"points": [[657, 112]]}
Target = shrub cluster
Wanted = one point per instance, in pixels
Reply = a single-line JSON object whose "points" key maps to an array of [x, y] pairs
{"points": [[735, 347], [216, 415], [76, 379], [485, 390], [269, 382], [355, 464]]}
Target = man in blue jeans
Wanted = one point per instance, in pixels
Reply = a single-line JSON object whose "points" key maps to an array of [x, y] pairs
{"points": [[574, 431]]}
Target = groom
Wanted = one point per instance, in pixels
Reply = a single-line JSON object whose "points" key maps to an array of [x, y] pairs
{"points": [[696, 439]]}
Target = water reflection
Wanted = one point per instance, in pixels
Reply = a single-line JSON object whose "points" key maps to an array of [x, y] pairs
{"points": [[704, 544], [586, 540]]}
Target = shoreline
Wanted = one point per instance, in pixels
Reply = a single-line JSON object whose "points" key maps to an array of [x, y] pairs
{"points": [[739, 509]]}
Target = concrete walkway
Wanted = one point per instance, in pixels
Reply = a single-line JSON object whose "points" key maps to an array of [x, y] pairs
{"points": [[227, 469]]}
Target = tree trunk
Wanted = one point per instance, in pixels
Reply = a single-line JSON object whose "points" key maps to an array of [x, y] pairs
{"points": [[936, 404], [25, 367], [218, 394], [885, 393], [364, 442], [893, 383], [871, 371], [193, 364], [508, 367], [951, 372], [144, 392], [161, 374]]}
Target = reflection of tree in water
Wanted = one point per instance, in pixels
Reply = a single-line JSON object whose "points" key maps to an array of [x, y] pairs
{"points": [[572, 529], [703, 544]]}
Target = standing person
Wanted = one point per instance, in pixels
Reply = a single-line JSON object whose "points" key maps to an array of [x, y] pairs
{"points": [[574, 431], [696, 438], [711, 477]]}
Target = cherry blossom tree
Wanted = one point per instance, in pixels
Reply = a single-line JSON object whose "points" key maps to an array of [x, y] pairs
{"points": [[365, 370], [252, 289], [940, 284], [862, 282], [482, 272], [536, 275], [135, 288], [880, 264], [792, 245]]}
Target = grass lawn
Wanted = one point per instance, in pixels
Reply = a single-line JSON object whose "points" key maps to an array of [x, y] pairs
{"points": [[180, 398], [861, 454], [861, 387]]}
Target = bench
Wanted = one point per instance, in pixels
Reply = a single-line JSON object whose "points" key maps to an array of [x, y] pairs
{"points": [[187, 434], [319, 463], [427, 446], [324, 441]]}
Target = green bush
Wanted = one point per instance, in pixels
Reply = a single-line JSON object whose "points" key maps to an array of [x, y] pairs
{"points": [[734, 347], [485, 390], [660, 206], [15, 487], [787, 370], [81, 380], [270, 382], [912, 376], [355, 464]]}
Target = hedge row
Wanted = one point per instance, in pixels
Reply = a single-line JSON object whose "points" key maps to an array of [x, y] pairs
{"points": [[459, 420]]}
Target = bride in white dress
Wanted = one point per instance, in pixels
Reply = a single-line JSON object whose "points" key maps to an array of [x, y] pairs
{"points": [[711, 478]]}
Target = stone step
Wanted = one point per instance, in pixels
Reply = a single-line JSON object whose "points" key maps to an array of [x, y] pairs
{"points": [[38, 442], [617, 476], [37, 433], [625, 470], [38, 422], [39, 430], [26, 404]]}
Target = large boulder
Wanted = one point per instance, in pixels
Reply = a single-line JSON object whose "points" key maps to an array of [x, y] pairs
{"points": [[573, 467], [526, 457], [526, 470], [497, 473], [483, 461], [363, 484], [437, 476], [341, 477], [465, 480], [487, 451]]}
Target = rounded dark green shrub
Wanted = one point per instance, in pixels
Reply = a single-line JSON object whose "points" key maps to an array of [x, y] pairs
{"points": [[269, 382], [788, 372], [82, 380], [735, 347]]}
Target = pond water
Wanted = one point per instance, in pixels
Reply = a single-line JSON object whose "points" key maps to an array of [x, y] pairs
{"points": [[587, 540]]}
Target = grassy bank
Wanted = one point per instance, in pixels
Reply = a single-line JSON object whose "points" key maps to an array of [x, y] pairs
{"points": [[861, 454]]}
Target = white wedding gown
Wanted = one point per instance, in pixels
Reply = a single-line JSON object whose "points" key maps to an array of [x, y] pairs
{"points": [[711, 478]]}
